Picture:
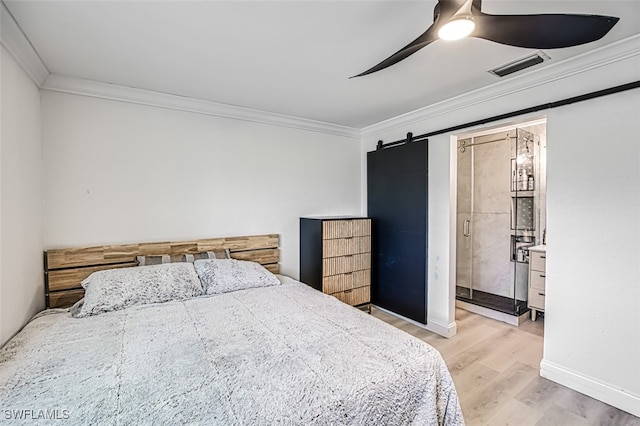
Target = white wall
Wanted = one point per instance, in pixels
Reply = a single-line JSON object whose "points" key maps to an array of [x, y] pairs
{"points": [[21, 279], [603, 299], [592, 330], [119, 172]]}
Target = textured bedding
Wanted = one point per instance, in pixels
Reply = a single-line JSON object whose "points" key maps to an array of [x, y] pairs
{"points": [[285, 354]]}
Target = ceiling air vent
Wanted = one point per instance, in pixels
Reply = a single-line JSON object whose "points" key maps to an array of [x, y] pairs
{"points": [[520, 64]]}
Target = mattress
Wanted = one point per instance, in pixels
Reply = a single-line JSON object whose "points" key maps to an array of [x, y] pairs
{"points": [[285, 354]]}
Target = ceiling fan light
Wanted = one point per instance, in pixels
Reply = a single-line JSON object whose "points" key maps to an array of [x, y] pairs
{"points": [[457, 28]]}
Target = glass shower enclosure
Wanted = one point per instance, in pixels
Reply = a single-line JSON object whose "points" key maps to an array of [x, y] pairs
{"points": [[497, 218]]}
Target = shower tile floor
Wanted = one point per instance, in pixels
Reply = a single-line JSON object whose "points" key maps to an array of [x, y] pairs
{"points": [[492, 301]]}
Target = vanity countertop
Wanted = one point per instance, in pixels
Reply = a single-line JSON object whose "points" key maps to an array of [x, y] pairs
{"points": [[541, 247]]}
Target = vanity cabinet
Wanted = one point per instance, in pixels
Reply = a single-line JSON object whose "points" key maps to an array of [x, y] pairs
{"points": [[537, 279]]}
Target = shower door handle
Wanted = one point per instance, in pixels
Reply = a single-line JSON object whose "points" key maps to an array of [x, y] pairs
{"points": [[466, 228]]}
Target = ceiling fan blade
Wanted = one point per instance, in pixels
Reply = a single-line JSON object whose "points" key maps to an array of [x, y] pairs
{"points": [[427, 37], [545, 31]]}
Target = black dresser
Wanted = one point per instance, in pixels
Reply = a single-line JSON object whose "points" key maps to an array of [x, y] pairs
{"points": [[335, 257]]}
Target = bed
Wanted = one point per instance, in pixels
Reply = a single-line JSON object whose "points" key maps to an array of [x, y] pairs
{"points": [[276, 354]]}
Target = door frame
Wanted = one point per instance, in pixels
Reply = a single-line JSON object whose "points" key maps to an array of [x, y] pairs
{"points": [[453, 194]]}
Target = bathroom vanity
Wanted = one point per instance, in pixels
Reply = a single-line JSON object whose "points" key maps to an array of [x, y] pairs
{"points": [[537, 278]]}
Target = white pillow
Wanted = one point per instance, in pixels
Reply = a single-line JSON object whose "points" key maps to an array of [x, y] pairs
{"points": [[225, 275], [116, 289]]}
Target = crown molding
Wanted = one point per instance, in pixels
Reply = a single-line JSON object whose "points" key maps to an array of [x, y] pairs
{"points": [[19, 46], [14, 40], [609, 54], [96, 89]]}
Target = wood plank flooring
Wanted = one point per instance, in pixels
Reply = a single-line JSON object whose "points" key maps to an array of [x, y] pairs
{"points": [[495, 367]]}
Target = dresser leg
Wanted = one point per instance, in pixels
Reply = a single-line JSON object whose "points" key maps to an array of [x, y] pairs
{"points": [[534, 315]]}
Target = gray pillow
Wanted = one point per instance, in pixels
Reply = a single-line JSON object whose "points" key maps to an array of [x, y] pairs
{"points": [[157, 260], [165, 258], [216, 254], [225, 275], [116, 289]]}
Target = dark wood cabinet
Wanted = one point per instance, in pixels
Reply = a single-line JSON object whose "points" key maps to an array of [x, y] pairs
{"points": [[335, 257]]}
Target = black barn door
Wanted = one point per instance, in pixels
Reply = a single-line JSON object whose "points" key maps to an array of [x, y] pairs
{"points": [[397, 203]]}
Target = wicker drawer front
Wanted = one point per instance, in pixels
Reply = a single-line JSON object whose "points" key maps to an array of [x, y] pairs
{"points": [[344, 264], [347, 228], [361, 227], [345, 246], [342, 282], [356, 296], [337, 229]]}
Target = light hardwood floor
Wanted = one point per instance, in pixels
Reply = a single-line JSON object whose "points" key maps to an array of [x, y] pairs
{"points": [[495, 367]]}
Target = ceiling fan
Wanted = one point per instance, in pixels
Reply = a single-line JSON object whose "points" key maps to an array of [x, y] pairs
{"points": [[456, 19]]}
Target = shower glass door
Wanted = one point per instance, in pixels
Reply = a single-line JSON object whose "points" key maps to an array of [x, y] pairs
{"points": [[484, 267]]}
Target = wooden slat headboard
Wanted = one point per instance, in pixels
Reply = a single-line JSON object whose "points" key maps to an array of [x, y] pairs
{"points": [[64, 269]]}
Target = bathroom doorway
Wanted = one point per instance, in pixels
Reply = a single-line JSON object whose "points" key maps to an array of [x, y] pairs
{"points": [[501, 204]]}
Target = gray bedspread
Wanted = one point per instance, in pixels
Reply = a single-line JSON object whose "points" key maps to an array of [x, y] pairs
{"points": [[276, 355]]}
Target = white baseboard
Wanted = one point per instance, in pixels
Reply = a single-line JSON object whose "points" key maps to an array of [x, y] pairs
{"points": [[444, 330], [591, 387], [490, 313]]}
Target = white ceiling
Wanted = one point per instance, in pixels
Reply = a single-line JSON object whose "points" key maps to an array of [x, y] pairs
{"points": [[287, 57]]}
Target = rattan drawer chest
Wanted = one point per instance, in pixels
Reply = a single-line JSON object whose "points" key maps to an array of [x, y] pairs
{"points": [[335, 257]]}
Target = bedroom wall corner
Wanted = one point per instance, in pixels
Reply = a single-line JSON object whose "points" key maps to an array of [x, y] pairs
{"points": [[21, 219]]}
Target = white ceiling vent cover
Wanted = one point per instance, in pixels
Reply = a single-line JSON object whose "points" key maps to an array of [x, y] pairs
{"points": [[520, 64]]}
